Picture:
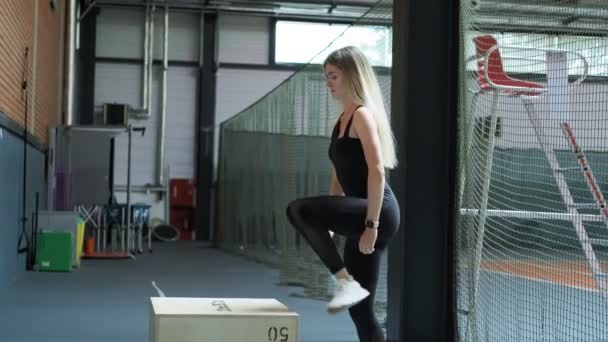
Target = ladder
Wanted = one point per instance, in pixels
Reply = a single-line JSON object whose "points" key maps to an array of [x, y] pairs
{"points": [[600, 203], [600, 277]]}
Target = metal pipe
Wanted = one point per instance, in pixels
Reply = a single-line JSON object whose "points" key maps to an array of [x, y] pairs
{"points": [[60, 82], [201, 46], [128, 213], [261, 12], [500, 8], [71, 43], [141, 188], [532, 215], [87, 10], [144, 100], [151, 61], [32, 98], [167, 202], [360, 3], [145, 112], [525, 26], [197, 4], [160, 158]]}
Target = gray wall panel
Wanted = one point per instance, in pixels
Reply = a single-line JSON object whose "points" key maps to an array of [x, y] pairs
{"points": [[243, 39], [181, 121], [120, 34], [237, 89], [184, 36], [121, 83], [12, 265]]}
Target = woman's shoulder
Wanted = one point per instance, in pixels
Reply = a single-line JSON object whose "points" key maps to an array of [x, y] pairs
{"points": [[363, 116]]}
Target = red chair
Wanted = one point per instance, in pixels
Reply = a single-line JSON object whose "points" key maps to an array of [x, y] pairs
{"points": [[492, 78], [491, 75]]}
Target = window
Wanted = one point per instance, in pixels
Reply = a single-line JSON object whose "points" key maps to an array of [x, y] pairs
{"points": [[306, 42]]}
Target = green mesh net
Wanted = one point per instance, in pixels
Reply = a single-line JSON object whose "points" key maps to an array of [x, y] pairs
{"points": [[532, 228]]}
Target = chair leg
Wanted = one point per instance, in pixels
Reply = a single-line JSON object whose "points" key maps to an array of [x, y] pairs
{"points": [[488, 168], [473, 304], [469, 125]]}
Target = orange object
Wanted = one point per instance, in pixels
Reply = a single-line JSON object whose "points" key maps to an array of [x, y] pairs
{"points": [[89, 246]]}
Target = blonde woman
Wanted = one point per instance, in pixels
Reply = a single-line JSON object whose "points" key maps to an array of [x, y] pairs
{"points": [[360, 205]]}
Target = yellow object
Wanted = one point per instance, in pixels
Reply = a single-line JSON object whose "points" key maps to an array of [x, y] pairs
{"points": [[79, 240]]}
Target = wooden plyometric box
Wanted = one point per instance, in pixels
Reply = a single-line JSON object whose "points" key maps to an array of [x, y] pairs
{"points": [[221, 320]]}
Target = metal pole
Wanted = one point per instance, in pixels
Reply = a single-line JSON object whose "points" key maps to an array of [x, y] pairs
{"points": [[71, 67], [144, 100], [87, 10], [160, 158], [128, 213]]}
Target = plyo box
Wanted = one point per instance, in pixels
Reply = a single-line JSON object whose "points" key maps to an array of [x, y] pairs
{"points": [[178, 319]]}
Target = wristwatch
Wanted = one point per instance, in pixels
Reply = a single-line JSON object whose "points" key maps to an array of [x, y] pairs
{"points": [[371, 224]]}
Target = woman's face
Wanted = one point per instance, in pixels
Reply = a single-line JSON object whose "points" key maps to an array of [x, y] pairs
{"points": [[335, 80]]}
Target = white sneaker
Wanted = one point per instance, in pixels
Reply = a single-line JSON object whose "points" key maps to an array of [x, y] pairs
{"points": [[348, 293]]}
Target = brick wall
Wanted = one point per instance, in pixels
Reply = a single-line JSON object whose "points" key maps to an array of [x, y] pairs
{"points": [[31, 24]]}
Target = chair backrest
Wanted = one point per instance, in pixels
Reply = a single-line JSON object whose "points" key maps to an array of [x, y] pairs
{"points": [[496, 70]]}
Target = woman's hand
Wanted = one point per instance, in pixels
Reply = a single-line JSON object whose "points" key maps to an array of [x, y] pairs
{"points": [[368, 240]]}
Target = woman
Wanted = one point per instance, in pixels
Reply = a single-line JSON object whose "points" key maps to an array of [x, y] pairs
{"points": [[360, 205]]}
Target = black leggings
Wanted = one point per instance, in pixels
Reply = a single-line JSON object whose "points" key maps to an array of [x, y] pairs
{"points": [[314, 217]]}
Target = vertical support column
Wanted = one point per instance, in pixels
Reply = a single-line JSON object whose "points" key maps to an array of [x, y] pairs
{"points": [[206, 129], [86, 72], [424, 111], [33, 86], [558, 95]]}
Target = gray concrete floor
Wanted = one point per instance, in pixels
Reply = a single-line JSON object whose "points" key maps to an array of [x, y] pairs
{"points": [[108, 300]]}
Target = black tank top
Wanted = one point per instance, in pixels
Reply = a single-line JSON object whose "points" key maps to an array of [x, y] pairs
{"points": [[347, 156]]}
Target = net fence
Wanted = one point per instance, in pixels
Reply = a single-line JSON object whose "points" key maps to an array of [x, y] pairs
{"points": [[276, 151], [532, 229]]}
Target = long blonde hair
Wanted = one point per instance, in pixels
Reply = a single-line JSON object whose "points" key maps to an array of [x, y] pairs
{"points": [[365, 91]]}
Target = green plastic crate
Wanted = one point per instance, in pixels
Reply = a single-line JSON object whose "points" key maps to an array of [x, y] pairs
{"points": [[54, 251]]}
